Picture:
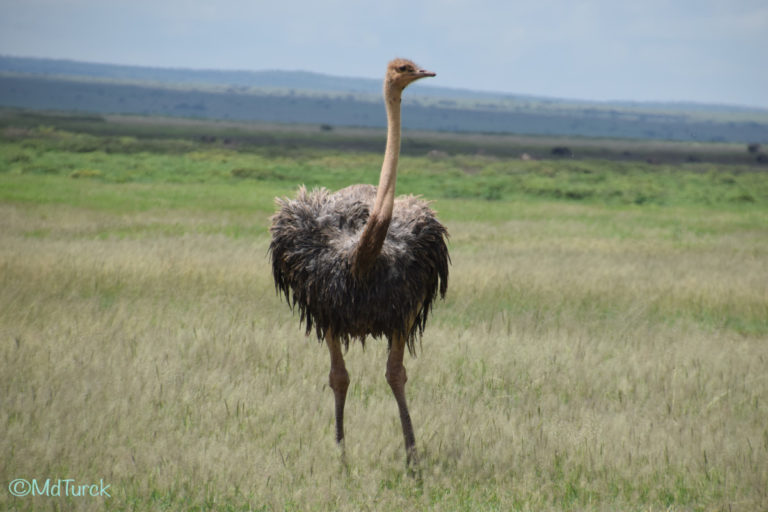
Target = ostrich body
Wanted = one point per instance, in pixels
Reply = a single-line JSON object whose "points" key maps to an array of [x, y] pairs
{"points": [[361, 262]]}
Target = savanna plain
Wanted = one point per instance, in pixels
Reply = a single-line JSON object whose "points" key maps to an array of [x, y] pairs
{"points": [[603, 344]]}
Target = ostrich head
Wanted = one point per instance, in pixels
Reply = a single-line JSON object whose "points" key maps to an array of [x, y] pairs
{"points": [[401, 72]]}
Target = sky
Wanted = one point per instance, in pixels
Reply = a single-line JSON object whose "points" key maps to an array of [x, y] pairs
{"points": [[703, 51]]}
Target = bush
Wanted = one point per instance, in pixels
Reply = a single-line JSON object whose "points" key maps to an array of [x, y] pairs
{"points": [[85, 173], [256, 173], [562, 151]]}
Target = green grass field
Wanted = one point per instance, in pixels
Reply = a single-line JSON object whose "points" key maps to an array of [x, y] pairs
{"points": [[603, 344]]}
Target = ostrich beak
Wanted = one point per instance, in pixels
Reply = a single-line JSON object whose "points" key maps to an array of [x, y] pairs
{"points": [[423, 73]]}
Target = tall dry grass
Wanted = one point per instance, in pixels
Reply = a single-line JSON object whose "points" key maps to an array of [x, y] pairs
{"points": [[584, 359]]}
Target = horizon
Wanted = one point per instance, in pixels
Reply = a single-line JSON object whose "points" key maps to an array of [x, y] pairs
{"points": [[499, 94], [594, 50]]}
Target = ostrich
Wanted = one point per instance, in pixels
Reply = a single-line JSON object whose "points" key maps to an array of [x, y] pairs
{"points": [[361, 262]]}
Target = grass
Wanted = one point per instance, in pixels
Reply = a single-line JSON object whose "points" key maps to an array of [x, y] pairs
{"points": [[593, 353], [128, 159]]}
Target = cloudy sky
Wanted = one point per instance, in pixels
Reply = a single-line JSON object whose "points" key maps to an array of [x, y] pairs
{"points": [[685, 50]]}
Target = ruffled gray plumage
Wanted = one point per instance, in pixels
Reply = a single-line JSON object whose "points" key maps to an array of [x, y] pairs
{"points": [[313, 237]]}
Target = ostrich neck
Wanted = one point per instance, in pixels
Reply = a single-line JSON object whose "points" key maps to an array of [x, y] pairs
{"points": [[385, 193], [375, 230]]}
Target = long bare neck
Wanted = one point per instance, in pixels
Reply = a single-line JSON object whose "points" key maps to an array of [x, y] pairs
{"points": [[385, 193], [375, 230]]}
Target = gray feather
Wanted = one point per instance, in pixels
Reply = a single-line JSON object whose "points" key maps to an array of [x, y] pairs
{"points": [[313, 237]]}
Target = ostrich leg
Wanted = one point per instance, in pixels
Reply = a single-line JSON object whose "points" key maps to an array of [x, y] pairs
{"points": [[339, 382], [396, 377]]}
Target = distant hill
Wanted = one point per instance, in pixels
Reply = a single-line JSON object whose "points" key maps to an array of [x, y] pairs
{"points": [[304, 97], [272, 79]]}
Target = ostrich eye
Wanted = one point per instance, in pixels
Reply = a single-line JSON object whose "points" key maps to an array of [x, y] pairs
{"points": [[404, 68]]}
